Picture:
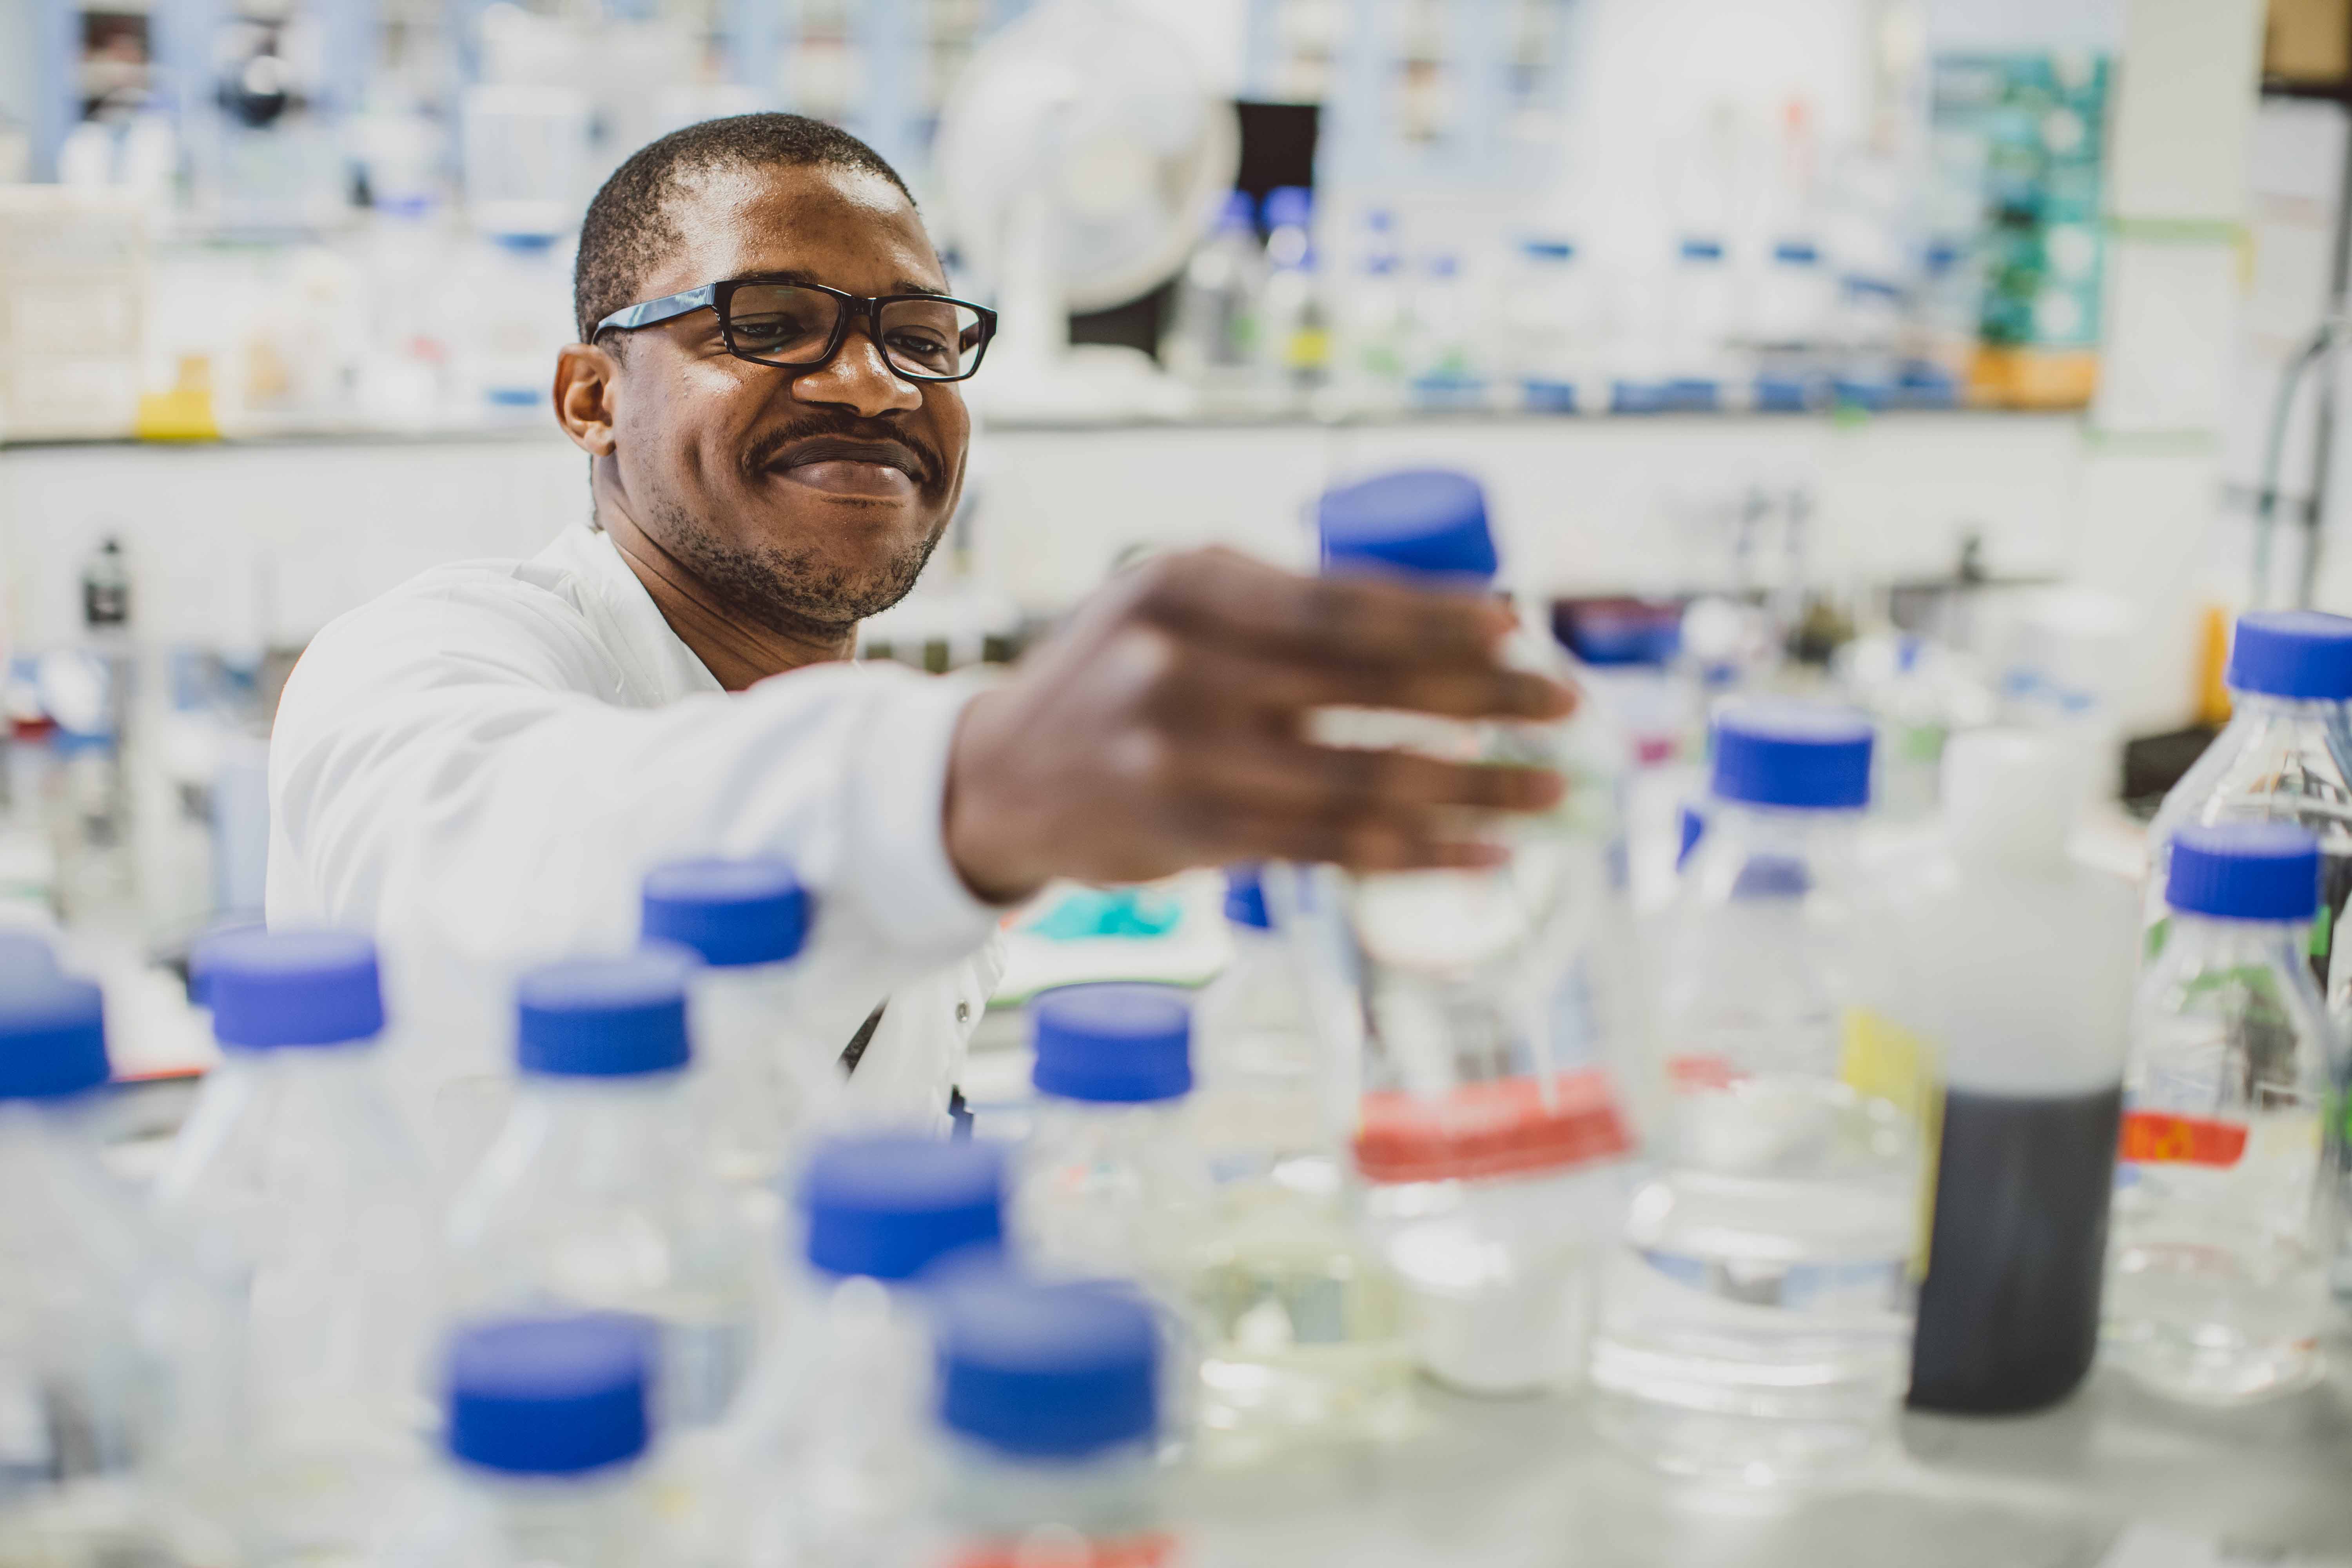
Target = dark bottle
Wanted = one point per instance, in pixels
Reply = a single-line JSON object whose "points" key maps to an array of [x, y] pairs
{"points": [[2023, 963]]}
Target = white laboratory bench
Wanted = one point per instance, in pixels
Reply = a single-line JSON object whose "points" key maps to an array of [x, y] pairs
{"points": [[2113, 1478]]}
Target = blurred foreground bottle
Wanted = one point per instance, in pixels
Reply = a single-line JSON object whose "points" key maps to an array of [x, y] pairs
{"points": [[817, 1454], [746, 919], [1304, 1338], [1757, 1321], [300, 1189], [113, 1364], [598, 1194], [2216, 1289], [1487, 1014], [1048, 1421], [546, 1432], [2024, 980]]}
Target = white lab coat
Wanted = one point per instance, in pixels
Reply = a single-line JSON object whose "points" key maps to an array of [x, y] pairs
{"points": [[479, 767]]}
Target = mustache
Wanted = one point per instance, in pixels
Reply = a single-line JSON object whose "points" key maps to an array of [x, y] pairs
{"points": [[870, 441]]}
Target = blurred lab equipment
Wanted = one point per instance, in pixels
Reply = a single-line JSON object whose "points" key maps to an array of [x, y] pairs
{"points": [[1048, 1411], [816, 1455], [1304, 1338], [2023, 970], [299, 1190], [546, 1426], [1082, 159], [1485, 1007], [2225, 1208], [1756, 1320], [598, 1195], [763, 1087], [1212, 338]]}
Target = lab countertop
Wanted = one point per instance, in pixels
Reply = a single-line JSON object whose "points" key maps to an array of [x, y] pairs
{"points": [[2112, 1479]]}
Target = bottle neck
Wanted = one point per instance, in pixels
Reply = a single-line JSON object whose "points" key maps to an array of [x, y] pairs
{"points": [[1765, 851], [2210, 940]]}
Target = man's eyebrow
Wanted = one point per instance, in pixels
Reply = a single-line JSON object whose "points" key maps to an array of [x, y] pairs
{"points": [[908, 286]]}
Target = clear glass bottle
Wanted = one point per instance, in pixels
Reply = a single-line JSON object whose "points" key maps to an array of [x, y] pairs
{"points": [[816, 1452], [303, 1193], [1305, 1335], [112, 1359], [1295, 323], [597, 1194], [546, 1434], [760, 1087], [1443, 365], [2216, 1288], [1757, 1320], [1485, 1023], [1547, 341], [1048, 1417], [1213, 339]]}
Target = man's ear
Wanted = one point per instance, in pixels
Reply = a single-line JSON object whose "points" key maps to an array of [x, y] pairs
{"points": [[586, 379]]}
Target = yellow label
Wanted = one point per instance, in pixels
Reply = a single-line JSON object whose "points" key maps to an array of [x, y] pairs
{"points": [[1882, 1059]]}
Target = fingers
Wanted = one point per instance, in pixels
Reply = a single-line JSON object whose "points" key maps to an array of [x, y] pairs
{"points": [[1206, 678], [1365, 840], [1286, 773], [1222, 595]]}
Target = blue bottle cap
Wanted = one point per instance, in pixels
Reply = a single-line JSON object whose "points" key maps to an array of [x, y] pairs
{"points": [[730, 913], [2293, 653], [1805, 755], [2244, 871], [1290, 207], [1245, 898], [52, 1036], [1421, 522], [1048, 1370], [1116, 1043], [892, 1205], [1701, 250], [1548, 249], [548, 1396], [605, 1017], [1795, 253], [1237, 212], [271, 988]]}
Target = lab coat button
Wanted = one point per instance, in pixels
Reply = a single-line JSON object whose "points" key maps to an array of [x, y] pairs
{"points": [[964, 1011]]}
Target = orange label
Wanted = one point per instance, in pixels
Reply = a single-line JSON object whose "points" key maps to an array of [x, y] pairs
{"points": [[1155, 1549], [2159, 1137], [1499, 1127]]}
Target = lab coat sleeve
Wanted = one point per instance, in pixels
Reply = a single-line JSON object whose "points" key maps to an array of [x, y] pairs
{"points": [[447, 772]]}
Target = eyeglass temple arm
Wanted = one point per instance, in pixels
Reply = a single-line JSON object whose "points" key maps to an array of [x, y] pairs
{"points": [[668, 307]]}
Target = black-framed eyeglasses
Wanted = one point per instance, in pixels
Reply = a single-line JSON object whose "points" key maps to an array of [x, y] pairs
{"points": [[801, 326]]}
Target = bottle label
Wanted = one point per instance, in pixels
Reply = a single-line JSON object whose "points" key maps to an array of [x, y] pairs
{"points": [[1498, 1128], [1153, 1549], [2160, 1138]]}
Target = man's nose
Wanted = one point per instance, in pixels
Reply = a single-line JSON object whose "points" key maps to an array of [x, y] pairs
{"points": [[858, 379]]}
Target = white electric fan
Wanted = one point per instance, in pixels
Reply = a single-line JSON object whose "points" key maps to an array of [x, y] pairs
{"points": [[1081, 157]]}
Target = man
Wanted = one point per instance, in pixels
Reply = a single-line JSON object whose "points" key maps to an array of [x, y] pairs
{"points": [[480, 766]]}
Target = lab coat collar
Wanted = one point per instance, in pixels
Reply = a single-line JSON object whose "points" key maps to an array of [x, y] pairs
{"points": [[659, 665]]}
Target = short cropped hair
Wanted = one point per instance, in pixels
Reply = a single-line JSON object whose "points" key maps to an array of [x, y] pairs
{"points": [[628, 229]]}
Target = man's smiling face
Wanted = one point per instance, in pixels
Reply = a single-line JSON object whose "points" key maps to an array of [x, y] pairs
{"points": [[810, 500]]}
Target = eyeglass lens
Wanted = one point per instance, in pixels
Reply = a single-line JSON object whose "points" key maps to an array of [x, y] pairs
{"points": [[788, 325]]}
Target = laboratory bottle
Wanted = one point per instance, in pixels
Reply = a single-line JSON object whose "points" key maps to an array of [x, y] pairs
{"points": [[760, 1085], [1490, 1025], [303, 1193], [1304, 1337], [597, 1192], [1214, 343], [2216, 1291], [2023, 981], [1545, 336], [1756, 1320], [1047, 1416], [2285, 755], [545, 1437], [818, 1450], [1294, 316], [1444, 366], [1701, 295], [1370, 354], [1112, 1181], [112, 1356]]}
